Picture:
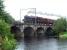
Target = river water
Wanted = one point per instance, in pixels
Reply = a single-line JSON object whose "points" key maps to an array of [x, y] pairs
{"points": [[42, 44]]}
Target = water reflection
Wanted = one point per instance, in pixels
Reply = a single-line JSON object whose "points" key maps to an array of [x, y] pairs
{"points": [[20, 45], [47, 44], [62, 44], [42, 44]]}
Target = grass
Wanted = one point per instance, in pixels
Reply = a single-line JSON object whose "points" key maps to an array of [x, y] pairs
{"points": [[63, 35]]}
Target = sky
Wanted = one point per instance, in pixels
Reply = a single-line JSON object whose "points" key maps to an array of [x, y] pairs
{"points": [[57, 7]]}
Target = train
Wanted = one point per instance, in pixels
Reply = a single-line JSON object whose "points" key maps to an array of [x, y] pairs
{"points": [[37, 20]]}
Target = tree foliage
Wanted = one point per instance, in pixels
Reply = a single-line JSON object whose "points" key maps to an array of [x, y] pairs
{"points": [[1, 7], [4, 15], [8, 42], [4, 27], [60, 25], [8, 18]]}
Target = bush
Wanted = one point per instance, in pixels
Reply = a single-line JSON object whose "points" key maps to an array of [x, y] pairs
{"points": [[60, 25], [4, 28], [8, 42], [63, 35]]}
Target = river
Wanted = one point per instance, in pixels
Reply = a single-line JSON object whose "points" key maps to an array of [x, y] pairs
{"points": [[42, 44]]}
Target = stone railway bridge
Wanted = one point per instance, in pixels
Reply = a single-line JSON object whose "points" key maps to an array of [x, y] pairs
{"points": [[34, 30], [30, 29]]}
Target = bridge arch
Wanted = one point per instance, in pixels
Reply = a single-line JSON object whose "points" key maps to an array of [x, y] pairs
{"points": [[28, 32], [16, 31], [40, 32], [49, 32]]}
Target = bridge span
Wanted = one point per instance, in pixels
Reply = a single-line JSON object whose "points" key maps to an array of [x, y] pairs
{"points": [[39, 29]]}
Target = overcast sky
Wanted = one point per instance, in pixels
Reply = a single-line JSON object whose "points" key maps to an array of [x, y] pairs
{"points": [[58, 7]]}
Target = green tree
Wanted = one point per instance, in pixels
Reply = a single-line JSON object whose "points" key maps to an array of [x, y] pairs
{"points": [[60, 25], [4, 15], [8, 18], [7, 40], [1, 7]]}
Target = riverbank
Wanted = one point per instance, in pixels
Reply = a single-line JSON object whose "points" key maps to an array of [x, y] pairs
{"points": [[63, 35]]}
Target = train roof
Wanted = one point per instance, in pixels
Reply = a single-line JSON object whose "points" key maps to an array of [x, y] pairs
{"points": [[37, 17]]}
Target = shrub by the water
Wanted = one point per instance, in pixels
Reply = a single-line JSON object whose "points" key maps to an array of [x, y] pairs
{"points": [[8, 44], [63, 35], [8, 41], [60, 27]]}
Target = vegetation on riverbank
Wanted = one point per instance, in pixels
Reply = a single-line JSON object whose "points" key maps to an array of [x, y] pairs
{"points": [[7, 41], [63, 35], [60, 27]]}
